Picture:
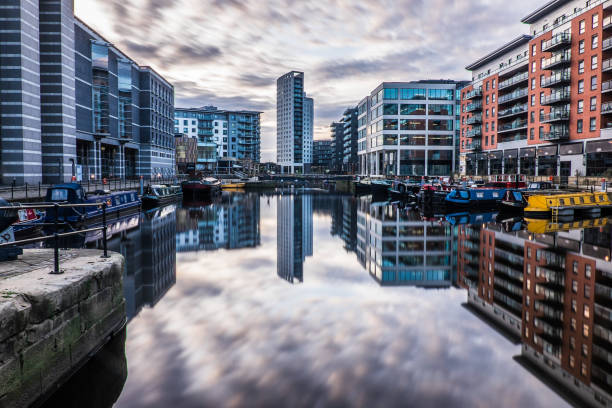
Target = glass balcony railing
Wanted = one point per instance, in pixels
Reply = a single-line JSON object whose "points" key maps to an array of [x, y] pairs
{"points": [[477, 131], [517, 79], [555, 116], [606, 65], [607, 23], [515, 110], [606, 86], [561, 59], [557, 97], [475, 145], [473, 94], [606, 107], [606, 44], [558, 133], [558, 41], [473, 107], [520, 93], [557, 79], [514, 125], [474, 119]]}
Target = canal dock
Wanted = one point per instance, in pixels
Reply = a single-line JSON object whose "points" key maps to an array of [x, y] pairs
{"points": [[50, 324]]}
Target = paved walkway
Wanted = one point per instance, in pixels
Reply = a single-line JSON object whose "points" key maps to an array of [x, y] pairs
{"points": [[33, 260]]}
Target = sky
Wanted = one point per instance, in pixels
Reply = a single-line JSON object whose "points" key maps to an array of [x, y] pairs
{"points": [[229, 53]]}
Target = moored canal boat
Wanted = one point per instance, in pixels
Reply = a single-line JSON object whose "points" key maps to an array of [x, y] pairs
{"points": [[159, 195], [567, 206], [475, 197], [201, 190]]}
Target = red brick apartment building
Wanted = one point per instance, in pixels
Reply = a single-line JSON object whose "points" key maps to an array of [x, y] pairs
{"points": [[552, 293], [541, 105]]}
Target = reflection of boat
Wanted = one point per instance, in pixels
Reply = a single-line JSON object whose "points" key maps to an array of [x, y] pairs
{"points": [[201, 190], [467, 218], [539, 226], [233, 186], [372, 187], [159, 195], [117, 204]]}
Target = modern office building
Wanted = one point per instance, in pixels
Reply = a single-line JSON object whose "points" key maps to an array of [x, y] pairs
{"points": [[186, 153], [540, 105], [226, 138], [321, 155], [337, 141], [350, 162], [73, 105], [408, 128], [295, 124]]}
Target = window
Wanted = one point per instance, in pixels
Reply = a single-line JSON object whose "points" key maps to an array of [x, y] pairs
{"points": [[493, 86], [390, 93], [594, 62], [595, 20], [542, 79], [531, 134], [533, 83], [487, 99], [579, 126], [581, 47], [594, 83], [575, 267], [581, 26], [581, 67], [532, 100], [587, 271], [533, 50], [581, 86], [412, 94], [441, 94], [580, 106], [587, 291], [593, 103], [572, 361], [574, 305], [574, 286], [573, 324], [532, 117], [586, 312], [487, 85], [593, 125], [594, 41], [541, 98], [493, 98], [533, 66], [585, 330]]}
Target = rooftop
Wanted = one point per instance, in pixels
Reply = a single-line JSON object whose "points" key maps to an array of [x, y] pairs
{"points": [[544, 10], [517, 42]]}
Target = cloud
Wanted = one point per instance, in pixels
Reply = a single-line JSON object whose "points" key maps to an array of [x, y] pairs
{"points": [[233, 50]]}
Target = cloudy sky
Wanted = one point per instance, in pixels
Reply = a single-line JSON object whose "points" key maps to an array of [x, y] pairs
{"points": [[229, 53]]}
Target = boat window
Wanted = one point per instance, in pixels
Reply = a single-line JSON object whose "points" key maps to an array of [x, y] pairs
{"points": [[59, 194], [463, 194], [479, 195], [562, 201], [495, 194], [517, 196]]}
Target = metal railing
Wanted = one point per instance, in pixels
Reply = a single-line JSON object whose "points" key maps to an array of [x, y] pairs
{"points": [[56, 236], [515, 110], [559, 59], [558, 78], [514, 80], [521, 93], [557, 40]]}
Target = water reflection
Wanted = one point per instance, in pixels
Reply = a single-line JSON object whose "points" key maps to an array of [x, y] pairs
{"points": [[294, 238]]}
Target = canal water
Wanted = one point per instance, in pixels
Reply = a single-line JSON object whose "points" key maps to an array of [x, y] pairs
{"points": [[310, 300]]}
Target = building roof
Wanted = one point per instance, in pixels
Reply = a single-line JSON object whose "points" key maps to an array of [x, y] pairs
{"points": [[517, 42], [542, 11], [214, 109]]}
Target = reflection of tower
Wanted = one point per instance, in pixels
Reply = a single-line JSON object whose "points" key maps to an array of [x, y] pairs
{"points": [[294, 235], [398, 248]]}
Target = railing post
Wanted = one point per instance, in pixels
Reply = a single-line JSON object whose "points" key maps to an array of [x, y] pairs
{"points": [[26, 190], [104, 231], [39, 194]]}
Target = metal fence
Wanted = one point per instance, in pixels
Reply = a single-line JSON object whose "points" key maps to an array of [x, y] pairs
{"points": [[56, 236]]}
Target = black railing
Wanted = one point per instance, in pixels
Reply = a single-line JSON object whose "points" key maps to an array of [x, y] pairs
{"points": [[56, 236]]}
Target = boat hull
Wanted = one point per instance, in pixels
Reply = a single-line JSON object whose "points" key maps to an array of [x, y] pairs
{"points": [[150, 202]]}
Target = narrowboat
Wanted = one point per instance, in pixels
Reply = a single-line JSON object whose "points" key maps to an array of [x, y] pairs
{"points": [[233, 186], [546, 226], [399, 187], [466, 218], [475, 197], [118, 204], [160, 195], [201, 190], [566, 206], [30, 223], [364, 187]]}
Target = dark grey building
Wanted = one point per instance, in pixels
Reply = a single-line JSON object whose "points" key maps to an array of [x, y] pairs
{"points": [[73, 105], [337, 145], [350, 160], [321, 155]]}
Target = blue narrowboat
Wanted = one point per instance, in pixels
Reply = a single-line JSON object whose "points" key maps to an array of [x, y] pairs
{"points": [[118, 204], [466, 218], [475, 197]]}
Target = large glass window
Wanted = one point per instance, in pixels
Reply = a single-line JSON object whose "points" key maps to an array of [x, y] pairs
{"points": [[440, 140], [412, 162], [413, 94], [439, 162], [99, 55], [125, 76], [547, 165], [441, 94], [414, 109], [412, 124], [446, 110], [412, 140], [437, 124], [528, 166], [390, 93], [390, 124], [390, 109], [390, 140]]}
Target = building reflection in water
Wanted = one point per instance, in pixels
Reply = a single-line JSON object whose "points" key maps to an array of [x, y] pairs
{"points": [[398, 248], [231, 223], [550, 290], [294, 240]]}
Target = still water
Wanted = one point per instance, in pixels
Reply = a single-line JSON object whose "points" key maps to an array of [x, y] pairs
{"points": [[318, 300]]}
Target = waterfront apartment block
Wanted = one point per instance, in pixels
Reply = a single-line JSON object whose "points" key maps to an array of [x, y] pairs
{"points": [[73, 105], [408, 128], [294, 238], [321, 155], [541, 104], [225, 138], [337, 137], [550, 291], [295, 124], [349, 162]]}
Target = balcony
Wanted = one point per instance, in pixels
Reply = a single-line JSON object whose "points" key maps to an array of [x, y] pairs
{"points": [[606, 65], [513, 111], [558, 61], [474, 119], [557, 97], [475, 132], [606, 108], [518, 94], [557, 42], [560, 78], [606, 86], [607, 23], [474, 107], [556, 116], [515, 125], [473, 94], [606, 44], [556, 134], [476, 146], [515, 80]]}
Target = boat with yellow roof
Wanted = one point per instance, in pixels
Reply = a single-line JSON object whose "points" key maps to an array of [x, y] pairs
{"points": [[566, 206], [546, 226], [233, 186]]}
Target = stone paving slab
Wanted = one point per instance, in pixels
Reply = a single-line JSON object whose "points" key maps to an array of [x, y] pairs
{"points": [[33, 260]]}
